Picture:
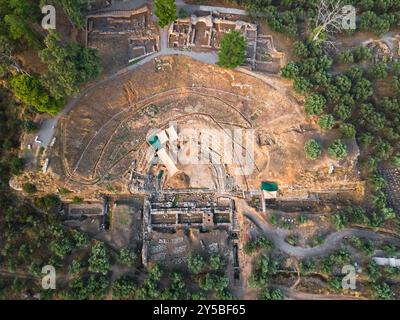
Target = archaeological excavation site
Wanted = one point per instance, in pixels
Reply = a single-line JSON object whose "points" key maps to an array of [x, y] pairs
{"points": [[232, 150]]}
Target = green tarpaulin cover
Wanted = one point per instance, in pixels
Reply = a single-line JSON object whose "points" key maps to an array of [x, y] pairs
{"points": [[269, 186]]}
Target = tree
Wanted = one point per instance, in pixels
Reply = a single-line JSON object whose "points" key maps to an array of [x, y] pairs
{"points": [[264, 267], [29, 90], [382, 291], [16, 165], [337, 150], [74, 267], [155, 272], [326, 121], [30, 126], [315, 104], [165, 11], [348, 130], [215, 262], [80, 239], [20, 30], [369, 21], [127, 257], [379, 71], [47, 203], [213, 282], [69, 66], [29, 188], [342, 111], [362, 89], [62, 247], [290, 71], [328, 20], [345, 57], [123, 288], [99, 260], [7, 57], [312, 149], [233, 50], [196, 263], [362, 53], [182, 13]]}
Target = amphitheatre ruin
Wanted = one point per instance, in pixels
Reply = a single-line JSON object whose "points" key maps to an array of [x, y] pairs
{"points": [[102, 141]]}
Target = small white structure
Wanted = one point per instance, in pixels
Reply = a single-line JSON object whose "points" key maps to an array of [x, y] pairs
{"points": [[172, 134], [46, 165], [167, 161], [392, 262], [162, 137]]}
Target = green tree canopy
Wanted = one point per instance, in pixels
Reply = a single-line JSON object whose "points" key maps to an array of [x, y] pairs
{"points": [[165, 11], [337, 150], [99, 260], [233, 49], [326, 121], [29, 91], [312, 149], [315, 104], [196, 263], [348, 130]]}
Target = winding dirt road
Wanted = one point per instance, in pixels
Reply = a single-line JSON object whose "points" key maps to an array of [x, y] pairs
{"points": [[277, 235]]}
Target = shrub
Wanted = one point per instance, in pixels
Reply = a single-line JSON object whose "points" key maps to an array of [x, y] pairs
{"points": [[337, 150], [29, 188], [312, 149]]}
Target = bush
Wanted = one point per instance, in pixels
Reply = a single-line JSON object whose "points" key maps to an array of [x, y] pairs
{"points": [[337, 150], [29, 188], [16, 165], [339, 221], [257, 244], [292, 239], [233, 50], [30, 126], [77, 200], [47, 203], [312, 149]]}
